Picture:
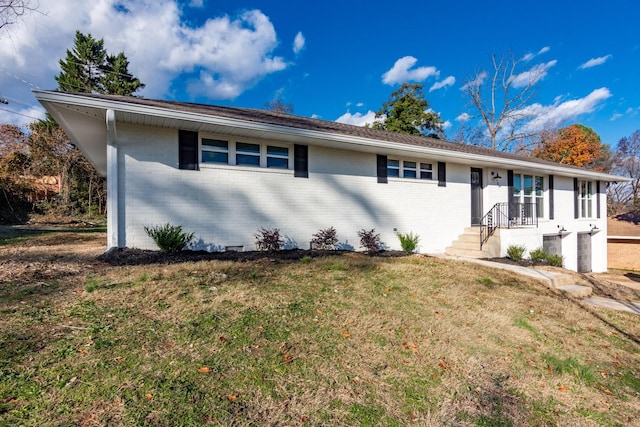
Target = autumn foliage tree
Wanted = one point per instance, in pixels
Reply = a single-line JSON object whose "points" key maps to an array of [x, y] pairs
{"points": [[14, 165], [576, 145]]}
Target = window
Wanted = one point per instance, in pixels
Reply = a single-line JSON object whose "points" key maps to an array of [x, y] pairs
{"points": [[409, 170], [585, 199], [247, 154], [539, 196], [426, 171], [215, 151], [528, 190], [393, 168], [277, 157], [229, 152]]}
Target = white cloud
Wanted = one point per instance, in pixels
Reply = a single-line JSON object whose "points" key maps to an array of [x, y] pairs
{"points": [[560, 112], [533, 75], [360, 104], [595, 62], [530, 56], [298, 43], [446, 125], [463, 117], [20, 117], [357, 119], [219, 59], [616, 116], [196, 3], [401, 72], [449, 81]]}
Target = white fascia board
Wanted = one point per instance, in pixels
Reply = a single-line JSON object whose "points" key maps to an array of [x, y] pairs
{"points": [[322, 138]]}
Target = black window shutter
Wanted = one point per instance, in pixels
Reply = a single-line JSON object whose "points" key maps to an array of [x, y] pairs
{"points": [[188, 150], [575, 198], [301, 161], [510, 191], [442, 174], [598, 199], [551, 213], [382, 169]]}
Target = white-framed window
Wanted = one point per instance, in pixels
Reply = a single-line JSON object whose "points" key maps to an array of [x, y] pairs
{"points": [[585, 199], [247, 154], [219, 151], [409, 169], [529, 191], [277, 157], [426, 170], [215, 151]]}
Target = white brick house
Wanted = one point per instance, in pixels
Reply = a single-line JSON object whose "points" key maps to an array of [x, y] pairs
{"points": [[225, 172]]}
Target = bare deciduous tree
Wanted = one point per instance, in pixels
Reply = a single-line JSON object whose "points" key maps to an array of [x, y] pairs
{"points": [[12, 10], [501, 97]]}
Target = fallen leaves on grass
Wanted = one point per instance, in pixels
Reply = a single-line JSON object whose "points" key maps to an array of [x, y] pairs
{"points": [[204, 370]]}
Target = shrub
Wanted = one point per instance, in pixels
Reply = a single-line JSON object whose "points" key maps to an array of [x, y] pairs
{"points": [[538, 254], [408, 241], [555, 260], [268, 239], [370, 240], [324, 239], [169, 238], [516, 252]]}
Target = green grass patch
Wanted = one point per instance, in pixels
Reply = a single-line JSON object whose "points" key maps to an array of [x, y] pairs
{"points": [[340, 340]]}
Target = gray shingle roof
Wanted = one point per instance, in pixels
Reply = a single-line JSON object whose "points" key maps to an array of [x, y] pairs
{"points": [[306, 123]]}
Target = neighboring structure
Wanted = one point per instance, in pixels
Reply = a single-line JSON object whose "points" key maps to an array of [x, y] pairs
{"points": [[623, 242], [225, 172]]}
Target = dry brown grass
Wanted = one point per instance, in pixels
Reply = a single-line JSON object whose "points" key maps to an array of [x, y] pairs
{"points": [[348, 340]]}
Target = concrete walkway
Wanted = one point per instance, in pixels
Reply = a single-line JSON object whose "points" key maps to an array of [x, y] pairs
{"points": [[561, 281]]}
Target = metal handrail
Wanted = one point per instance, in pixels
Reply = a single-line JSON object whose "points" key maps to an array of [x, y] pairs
{"points": [[505, 215]]}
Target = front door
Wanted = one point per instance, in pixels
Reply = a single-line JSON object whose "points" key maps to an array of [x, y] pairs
{"points": [[476, 196]]}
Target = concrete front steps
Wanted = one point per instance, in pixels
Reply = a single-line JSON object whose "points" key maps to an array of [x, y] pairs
{"points": [[468, 245]]}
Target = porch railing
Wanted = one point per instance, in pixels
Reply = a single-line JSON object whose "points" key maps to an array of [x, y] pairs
{"points": [[505, 215]]}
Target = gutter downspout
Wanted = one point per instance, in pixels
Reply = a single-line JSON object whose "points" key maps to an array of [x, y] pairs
{"points": [[113, 226]]}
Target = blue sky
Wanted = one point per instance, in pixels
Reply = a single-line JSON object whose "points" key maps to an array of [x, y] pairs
{"points": [[339, 60]]}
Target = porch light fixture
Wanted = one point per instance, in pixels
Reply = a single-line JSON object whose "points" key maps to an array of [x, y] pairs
{"points": [[562, 230], [496, 176], [594, 229]]}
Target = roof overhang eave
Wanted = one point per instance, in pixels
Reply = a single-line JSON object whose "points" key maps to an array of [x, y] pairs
{"points": [[198, 121]]}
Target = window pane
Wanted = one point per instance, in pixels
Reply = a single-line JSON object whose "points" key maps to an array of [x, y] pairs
{"points": [[393, 168], [244, 159], [277, 162], [409, 169], [426, 171], [528, 185], [245, 148], [539, 186], [517, 187], [277, 151], [215, 143], [214, 157]]}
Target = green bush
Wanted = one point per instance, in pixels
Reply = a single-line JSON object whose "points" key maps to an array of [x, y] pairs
{"points": [[169, 238], [538, 254], [408, 241], [555, 260], [516, 252]]}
